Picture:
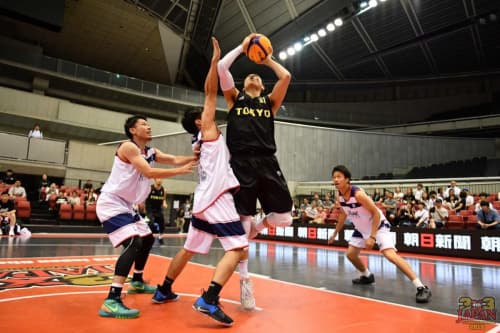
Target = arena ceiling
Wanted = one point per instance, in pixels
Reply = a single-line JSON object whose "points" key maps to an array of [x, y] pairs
{"points": [[398, 39]]}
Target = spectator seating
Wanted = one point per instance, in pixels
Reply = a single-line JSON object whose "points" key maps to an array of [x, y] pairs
{"points": [[78, 212], [65, 212], [455, 222], [471, 222], [90, 214], [23, 208]]}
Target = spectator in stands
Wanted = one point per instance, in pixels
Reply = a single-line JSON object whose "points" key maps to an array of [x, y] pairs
{"points": [[305, 205], [469, 200], [409, 197], [451, 201], [376, 196], [7, 214], [316, 200], [440, 194], [439, 215], [188, 215], [418, 192], [487, 218], [453, 186], [398, 194], [91, 197], [461, 204], [483, 196], [390, 205], [52, 190], [98, 190], [74, 199], [321, 215], [43, 187], [180, 219], [310, 213], [9, 177], [404, 217], [328, 203], [17, 190], [428, 202], [421, 215], [88, 185], [35, 132]]}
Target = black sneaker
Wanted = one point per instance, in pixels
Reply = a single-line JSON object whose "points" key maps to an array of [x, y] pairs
{"points": [[423, 294], [213, 311], [364, 280]]}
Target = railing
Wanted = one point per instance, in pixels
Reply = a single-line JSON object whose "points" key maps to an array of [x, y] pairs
{"points": [[100, 76], [20, 147]]}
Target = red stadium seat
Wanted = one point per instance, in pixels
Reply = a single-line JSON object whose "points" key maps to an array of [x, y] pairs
{"points": [[90, 214], [65, 212], [23, 209], [471, 222], [78, 212], [455, 222]]}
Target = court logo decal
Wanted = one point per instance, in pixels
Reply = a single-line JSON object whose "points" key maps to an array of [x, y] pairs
{"points": [[476, 312]]}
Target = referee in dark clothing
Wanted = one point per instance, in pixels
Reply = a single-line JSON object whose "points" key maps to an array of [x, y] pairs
{"points": [[155, 203]]}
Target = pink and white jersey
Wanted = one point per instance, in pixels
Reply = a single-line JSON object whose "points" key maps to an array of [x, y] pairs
{"points": [[357, 214], [215, 175], [125, 187]]}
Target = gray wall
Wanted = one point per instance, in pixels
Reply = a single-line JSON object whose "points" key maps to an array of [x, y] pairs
{"points": [[308, 153]]}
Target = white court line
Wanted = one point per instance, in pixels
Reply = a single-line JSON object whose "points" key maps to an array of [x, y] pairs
{"points": [[20, 298]]}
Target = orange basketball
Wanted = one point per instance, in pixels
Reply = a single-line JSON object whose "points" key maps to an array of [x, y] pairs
{"points": [[259, 48]]}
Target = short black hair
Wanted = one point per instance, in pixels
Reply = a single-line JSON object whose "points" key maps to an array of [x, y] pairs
{"points": [[484, 203], [130, 122], [343, 170], [188, 120]]}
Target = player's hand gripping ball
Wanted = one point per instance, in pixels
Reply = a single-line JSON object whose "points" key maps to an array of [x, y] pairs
{"points": [[259, 48]]}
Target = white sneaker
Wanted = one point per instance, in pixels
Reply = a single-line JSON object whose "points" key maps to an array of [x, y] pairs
{"points": [[11, 233], [246, 294]]}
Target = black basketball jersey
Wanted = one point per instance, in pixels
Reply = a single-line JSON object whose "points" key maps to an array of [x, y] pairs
{"points": [[155, 198], [250, 127]]}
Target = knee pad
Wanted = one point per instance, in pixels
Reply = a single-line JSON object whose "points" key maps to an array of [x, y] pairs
{"points": [[279, 219]]}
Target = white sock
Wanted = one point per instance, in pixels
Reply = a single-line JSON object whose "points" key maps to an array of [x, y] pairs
{"points": [[417, 283], [11, 228], [243, 268], [366, 273]]}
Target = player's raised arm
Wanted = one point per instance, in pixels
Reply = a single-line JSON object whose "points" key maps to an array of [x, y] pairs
{"points": [[208, 128]]}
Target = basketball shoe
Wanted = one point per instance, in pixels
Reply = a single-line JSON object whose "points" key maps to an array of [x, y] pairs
{"points": [[423, 294], [246, 294], [114, 308], [364, 280], [213, 311], [159, 297], [139, 287]]}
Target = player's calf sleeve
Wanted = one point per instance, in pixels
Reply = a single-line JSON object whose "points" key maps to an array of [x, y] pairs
{"points": [[279, 219], [128, 256]]}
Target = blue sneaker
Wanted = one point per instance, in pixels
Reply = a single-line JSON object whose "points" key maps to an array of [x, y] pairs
{"points": [[213, 311], [160, 298]]}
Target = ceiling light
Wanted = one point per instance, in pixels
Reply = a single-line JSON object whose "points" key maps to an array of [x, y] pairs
{"points": [[297, 46], [322, 32], [330, 27], [373, 3], [314, 37], [363, 4], [307, 38], [283, 55], [338, 22], [290, 51]]}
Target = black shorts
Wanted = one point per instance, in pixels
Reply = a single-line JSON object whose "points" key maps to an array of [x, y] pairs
{"points": [[260, 178]]}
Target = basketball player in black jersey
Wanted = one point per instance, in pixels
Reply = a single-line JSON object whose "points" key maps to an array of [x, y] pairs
{"points": [[155, 203], [250, 138]]}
